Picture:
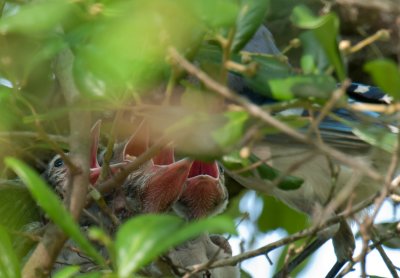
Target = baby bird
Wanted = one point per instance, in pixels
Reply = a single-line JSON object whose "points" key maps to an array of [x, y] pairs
{"points": [[159, 186], [57, 173], [205, 193], [157, 183]]}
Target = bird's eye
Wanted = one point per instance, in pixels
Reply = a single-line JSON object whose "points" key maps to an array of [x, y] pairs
{"points": [[58, 162], [221, 169]]}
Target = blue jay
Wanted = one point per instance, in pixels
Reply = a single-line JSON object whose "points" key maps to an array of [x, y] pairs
{"points": [[324, 178]]}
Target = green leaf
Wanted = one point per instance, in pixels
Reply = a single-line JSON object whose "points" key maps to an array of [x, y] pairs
{"points": [[245, 274], [50, 48], [37, 16], [393, 243], [143, 238], [194, 99], [17, 206], [233, 161], [216, 13], [325, 30], [386, 75], [293, 121], [251, 16], [96, 275], [314, 59], [233, 130], [106, 64], [268, 68], [50, 203], [283, 258], [376, 136], [209, 53], [314, 86], [19, 214], [257, 170], [23, 244], [275, 78], [7, 109], [382, 229], [67, 272], [264, 171], [101, 237], [303, 17], [9, 265], [283, 217]]}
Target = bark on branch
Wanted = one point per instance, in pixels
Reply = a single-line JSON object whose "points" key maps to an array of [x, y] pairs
{"points": [[43, 257]]}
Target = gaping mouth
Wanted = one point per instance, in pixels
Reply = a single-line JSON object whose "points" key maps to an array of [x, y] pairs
{"points": [[96, 171], [200, 168], [138, 143], [95, 168]]}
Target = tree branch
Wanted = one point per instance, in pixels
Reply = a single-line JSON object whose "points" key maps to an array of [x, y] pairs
{"points": [[44, 255], [358, 259], [34, 135], [387, 260]]}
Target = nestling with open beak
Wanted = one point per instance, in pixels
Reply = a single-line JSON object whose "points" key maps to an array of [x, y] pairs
{"points": [[158, 183], [205, 193]]}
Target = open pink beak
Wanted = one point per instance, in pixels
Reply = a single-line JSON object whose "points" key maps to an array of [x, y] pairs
{"points": [[95, 172], [166, 177], [204, 194], [164, 157], [166, 185], [138, 143], [95, 168], [208, 170]]}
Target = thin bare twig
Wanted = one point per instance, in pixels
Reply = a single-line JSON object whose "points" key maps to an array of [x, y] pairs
{"points": [[383, 34], [370, 248], [226, 48], [365, 227], [34, 135], [327, 108], [43, 134], [387, 260]]}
